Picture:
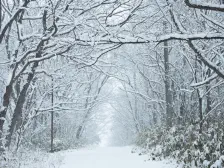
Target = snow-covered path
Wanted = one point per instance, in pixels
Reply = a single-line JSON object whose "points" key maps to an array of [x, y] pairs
{"points": [[109, 157]]}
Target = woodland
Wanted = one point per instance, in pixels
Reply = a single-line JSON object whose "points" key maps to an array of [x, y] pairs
{"points": [[157, 64]]}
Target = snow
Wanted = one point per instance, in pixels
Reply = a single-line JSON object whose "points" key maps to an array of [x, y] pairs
{"points": [[32, 159], [204, 4], [110, 157]]}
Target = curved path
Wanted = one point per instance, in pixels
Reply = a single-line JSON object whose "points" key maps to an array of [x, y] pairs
{"points": [[109, 157]]}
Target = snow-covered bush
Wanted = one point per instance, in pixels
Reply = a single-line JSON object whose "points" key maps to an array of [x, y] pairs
{"points": [[27, 158], [186, 145]]}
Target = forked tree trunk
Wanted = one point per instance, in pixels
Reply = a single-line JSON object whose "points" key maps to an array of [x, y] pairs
{"points": [[17, 115]]}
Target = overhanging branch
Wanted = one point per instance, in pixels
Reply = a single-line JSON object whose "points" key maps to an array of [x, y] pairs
{"points": [[205, 6]]}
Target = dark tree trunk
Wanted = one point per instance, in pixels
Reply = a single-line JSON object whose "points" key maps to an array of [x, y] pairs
{"points": [[79, 131], [168, 92], [17, 115], [200, 115], [52, 115], [0, 15], [182, 109], [6, 98]]}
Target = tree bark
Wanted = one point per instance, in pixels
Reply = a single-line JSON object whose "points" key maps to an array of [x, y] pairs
{"points": [[17, 115], [52, 115], [200, 115], [0, 15], [168, 92], [3, 112]]}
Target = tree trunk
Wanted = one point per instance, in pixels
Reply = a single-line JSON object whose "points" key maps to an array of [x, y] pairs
{"points": [[78, 133], [182, 109], [168, 92], [4, 109], [208, 97], [200, 115], [52, 115], [17, 115], [0, 15]]}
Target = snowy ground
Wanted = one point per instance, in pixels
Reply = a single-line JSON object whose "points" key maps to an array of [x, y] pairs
{"points": [[110, 157]]}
